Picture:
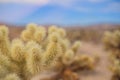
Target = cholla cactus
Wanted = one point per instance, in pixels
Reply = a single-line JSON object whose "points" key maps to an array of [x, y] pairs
{"points": [[40, 34], [53, 50], [5, 67], [28, 34], [84, 62], [17, 50], [4, 41], [32, 32], [68, 57], [112, 44], [12, 77], [115, 42], [33, 58], [37, 50], [52, 29], [4, 61], [62, 32], [76, 46], [65, 45]]}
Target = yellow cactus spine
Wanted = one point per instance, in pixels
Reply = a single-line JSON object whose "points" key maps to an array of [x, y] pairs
{"points": [[25, 35], [4, 41], [75, 46], [106, 35], [116, 38], [52, 29], [28, 34], [34, 58], [39, 50], [12, 77], [4, 65], [17, 50], [111, 39], [53, 50], [18, 57], [112, 44], [4, 60], [84, 62], [62, 32], [3, 71], [40, 34], [31, 27], [64, 45], [68, 57]]}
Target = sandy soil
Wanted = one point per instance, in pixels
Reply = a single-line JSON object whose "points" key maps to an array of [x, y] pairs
{"points": [[101, 71]]}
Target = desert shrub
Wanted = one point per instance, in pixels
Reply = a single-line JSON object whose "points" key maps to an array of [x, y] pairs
{"points": [[89, 34], [38, 50], [84, 35], [112, 44]]}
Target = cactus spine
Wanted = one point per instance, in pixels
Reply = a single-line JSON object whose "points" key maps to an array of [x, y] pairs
{"points": [[4, 41], [35, 51], [112, 44]]}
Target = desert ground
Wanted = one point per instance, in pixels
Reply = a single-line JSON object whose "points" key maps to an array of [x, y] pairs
{"points": [[101, 71], [89, 47]]}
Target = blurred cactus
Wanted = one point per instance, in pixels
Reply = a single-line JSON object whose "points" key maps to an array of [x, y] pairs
{"points": [[39, 50], [40, 34], [28, 33], [33, 59], [53, 50], [12, 77], [76, 46], [84, 62], [4, 41], [68, 57], [17, 50], [112, 44]]}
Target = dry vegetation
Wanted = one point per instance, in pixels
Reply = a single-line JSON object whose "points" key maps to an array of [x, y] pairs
{"points": [[39, 50], [112, 44], [91, 33], [51, 53]]}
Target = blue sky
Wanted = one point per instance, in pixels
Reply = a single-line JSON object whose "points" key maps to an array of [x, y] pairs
{"points": [[61, 12]]}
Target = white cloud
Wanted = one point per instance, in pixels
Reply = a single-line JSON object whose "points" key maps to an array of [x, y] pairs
{"points": [[39, 2], [69, 4], [56, 2], [112, 7], [15, 13], [65, 3], [96, 1], [59, 2]]}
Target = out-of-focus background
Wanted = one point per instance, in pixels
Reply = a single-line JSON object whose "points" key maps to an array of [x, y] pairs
{"points": [[64, 13], [84, 20], [93, 16]]}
